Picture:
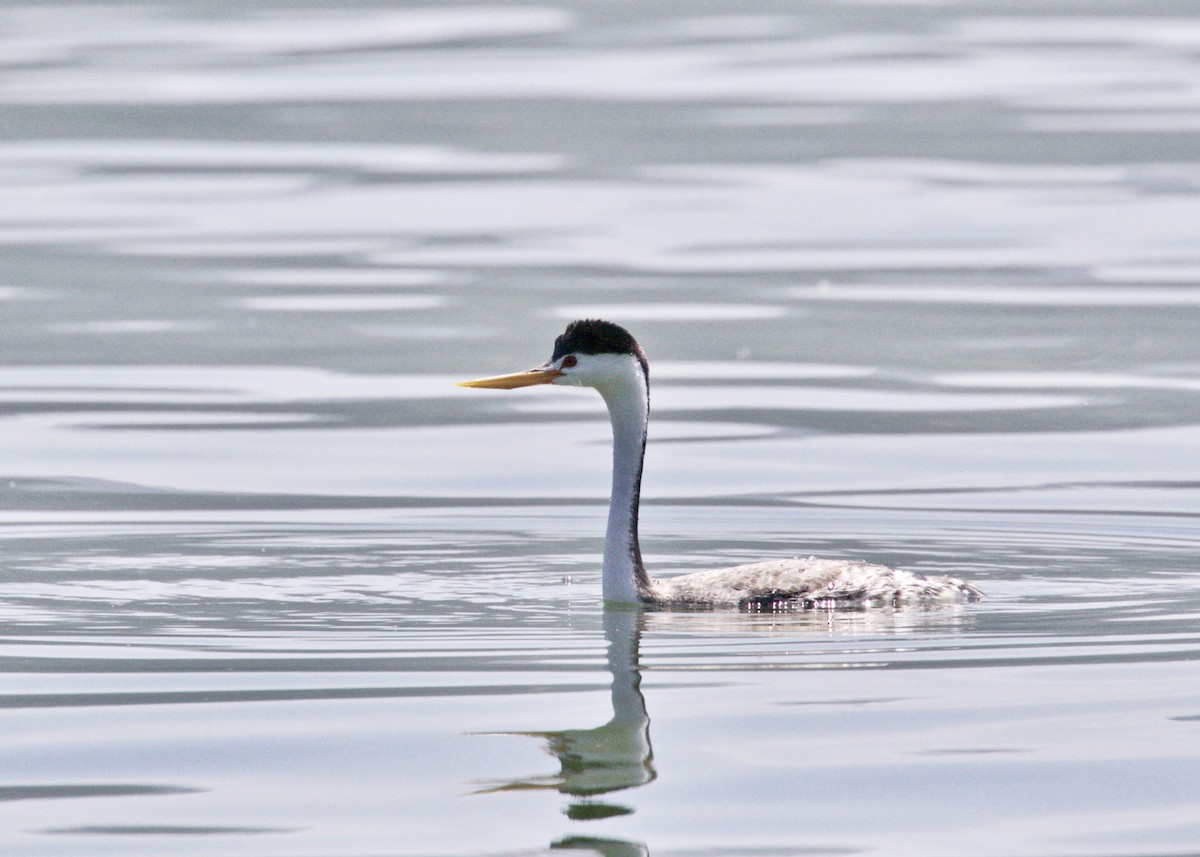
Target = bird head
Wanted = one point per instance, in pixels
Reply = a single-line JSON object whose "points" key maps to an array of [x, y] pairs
{"points": [[589, 353]]}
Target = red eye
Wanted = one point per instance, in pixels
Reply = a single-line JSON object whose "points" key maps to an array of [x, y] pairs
{"points": [[569, 361]]}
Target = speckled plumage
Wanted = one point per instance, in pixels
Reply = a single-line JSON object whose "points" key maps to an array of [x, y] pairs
{"points": [[807, 583]]}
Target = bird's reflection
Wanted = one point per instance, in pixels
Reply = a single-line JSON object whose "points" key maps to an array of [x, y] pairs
{"points": [[618, 755], [611, 757], [601, 847]]}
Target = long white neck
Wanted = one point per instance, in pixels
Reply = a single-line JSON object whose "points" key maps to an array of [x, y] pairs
{"points": [[628, 398]]}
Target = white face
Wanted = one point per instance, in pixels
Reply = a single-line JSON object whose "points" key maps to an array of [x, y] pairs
{"points": [[596, 370]]}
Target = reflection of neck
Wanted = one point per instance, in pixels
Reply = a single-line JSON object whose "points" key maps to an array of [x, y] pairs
{"points": [[623, 628], [628, 400], [611, 757]]}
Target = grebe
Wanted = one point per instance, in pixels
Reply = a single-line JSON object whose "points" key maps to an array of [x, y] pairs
{"points": [[604, 356]]}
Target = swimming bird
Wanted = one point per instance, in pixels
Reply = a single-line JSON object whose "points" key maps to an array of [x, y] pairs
{"points": [[606, 357]]}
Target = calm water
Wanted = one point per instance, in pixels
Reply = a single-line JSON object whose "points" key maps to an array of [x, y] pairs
{"points": [[920, 284]]}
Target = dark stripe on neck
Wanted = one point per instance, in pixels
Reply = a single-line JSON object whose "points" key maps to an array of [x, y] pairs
{"points": [[640, 577]]}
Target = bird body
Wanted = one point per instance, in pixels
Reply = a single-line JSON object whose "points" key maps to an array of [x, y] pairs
{"points": [[807, 583], [605, 356]]}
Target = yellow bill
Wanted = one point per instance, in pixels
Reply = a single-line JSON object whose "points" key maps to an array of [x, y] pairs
{"points": [[540, 375]]}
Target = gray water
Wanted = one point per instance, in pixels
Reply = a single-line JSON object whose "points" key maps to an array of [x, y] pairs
{"points": [[919, 283]]}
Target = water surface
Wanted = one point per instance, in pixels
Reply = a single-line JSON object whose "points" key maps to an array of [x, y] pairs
{"points": [[918, 283]]}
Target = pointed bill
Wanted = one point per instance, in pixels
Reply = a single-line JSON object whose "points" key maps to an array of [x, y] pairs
{"points": [[540, 375]]}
